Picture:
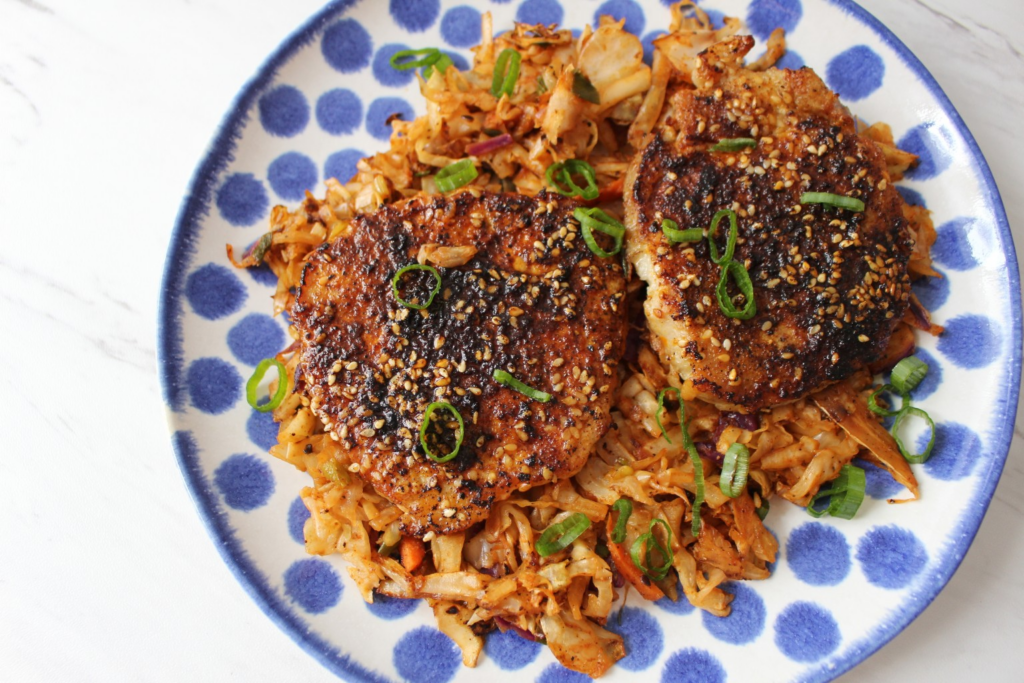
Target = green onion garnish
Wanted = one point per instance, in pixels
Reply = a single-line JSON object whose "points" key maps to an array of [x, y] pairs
{"points": [[730, 243], [623, 506], [734, 144], [908, 373], [558, 536], [584, 89], [742, 277], [505, 378], [426, 423], [661, 407], [836, 200], [847, 493], [402, 60], [506, 73], [698, 469], [879, 410], [330, 470], [442, 64], [915, 458], [542, 87], [454, 176], [254, 384], [672, 232], [734, 470], [596, 219], [652, 570], [259, 250], [416, 266], [564, 172], [762, 511]]}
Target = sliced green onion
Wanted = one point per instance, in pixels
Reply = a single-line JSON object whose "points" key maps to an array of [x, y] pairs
{"points": [[672, 232], [623, 506], [836, 200], [652, 570], [542, 87], [454, 176], [734, 470], [584, 89], [596, 219], [734, 144], [441, 65], [253, 385], [416, 266], [879, 410], [564, 171], [389, 540], [558, 536], [742, 277], [506, 73], [259, 250], [762, 511], [505, 378], [401, 59], [915, 458], [426, 423], [330, 470], [698, 469], [908, 373], [730, 242], [847, 493], [661, 407]]}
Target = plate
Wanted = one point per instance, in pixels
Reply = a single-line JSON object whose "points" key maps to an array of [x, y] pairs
{"points": [[840, 590]]}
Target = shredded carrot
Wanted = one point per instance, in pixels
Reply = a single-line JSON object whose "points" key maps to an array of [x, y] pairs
{"points": [[630, 572], [413, 551]]}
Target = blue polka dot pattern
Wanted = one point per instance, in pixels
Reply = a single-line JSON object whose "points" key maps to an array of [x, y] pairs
{"points": [[263, 275], [415, 15], [460, 26], [509, 650], [952, 247], [931, 381], [879, 484], [912, 197], [540, 12], [213, 385], [692, 666], [262, 429], [284, 111], [855, 73], [425, 655], [242, 200], [291, 174], [791, 60], [970, 341], [642, 635], [297, 516], [623, 9], [932, 146], [255, 337], [313, 584], [681, 606], [339, 111], [716, 17], [387, 74], [891, 556], [380, 110], [932, 292], [648, 43], [245, 481], [347, 46], [458, 60], [764, 16], [806, 632], [818, 554], [385, 607], [556, 673], [342, 165], [745, 621], [956, 451], [213, 291]]}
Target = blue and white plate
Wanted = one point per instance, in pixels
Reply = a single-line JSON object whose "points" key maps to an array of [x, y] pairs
{"points": [[841, 589]]}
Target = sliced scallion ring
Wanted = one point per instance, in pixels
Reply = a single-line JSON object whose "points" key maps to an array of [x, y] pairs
{"points": [[837, 200], [734, 144], [661, 407], [908, 373], [506, 73], [454, 176], [884, 412], [416, 266], [672, 232], [558, 536], [442, 64], [506, 379], [402, 60], [914, 458], [742, 277], [564, 171], [596, 219], [762, 510], [624, 508], [730, 242], [584, 89], [253, 385], [698, 469], [735, 467], [847, 493], [426, 423], [656, 571]]}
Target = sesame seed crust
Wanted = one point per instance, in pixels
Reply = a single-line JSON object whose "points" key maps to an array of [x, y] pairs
{"points": [[371, 365]]}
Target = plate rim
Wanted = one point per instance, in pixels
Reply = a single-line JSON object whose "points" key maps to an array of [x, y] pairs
{"points": [[195, 206]]}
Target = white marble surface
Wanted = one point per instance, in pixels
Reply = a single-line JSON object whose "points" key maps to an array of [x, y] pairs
{"points": [[106, 571]]}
